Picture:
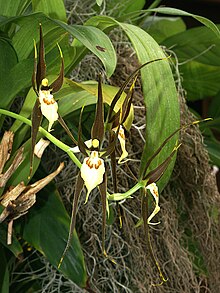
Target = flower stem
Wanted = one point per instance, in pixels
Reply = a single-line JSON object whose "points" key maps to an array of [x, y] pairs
{"points": [[49, 136], [121, 196]]}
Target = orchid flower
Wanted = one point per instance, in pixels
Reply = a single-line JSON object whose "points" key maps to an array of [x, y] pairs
{"points": [[121, 138], [48, 105], [92, 172], [45, 104], [154, 191]]}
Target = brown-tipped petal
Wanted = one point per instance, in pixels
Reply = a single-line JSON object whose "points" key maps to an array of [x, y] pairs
{"points": [[112, 145], [33, 80], [57, 84], [78, 190], [126, 106], [36, 121], [115, 119], [98, 125], [5, 148], [144, 209], [41, 66], [169, 138], [103, 192], [154, 175], [14, 165], [82, 146], [65, 127], [122, 88], [159, 149], [113, 171]]}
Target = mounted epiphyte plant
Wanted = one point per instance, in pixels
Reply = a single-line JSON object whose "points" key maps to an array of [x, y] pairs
{"points": [[92, 173]]}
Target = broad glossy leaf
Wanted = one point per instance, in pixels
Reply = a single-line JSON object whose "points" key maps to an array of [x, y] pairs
{"points": [[94, 39], [200, 80], [52, 8], [20, 76], [23, 39], [196, 43], [178, 12], [119, 8], [91, 37], [160, 98], [47, 229], [13, 8], [18, 79], [160, 28], [7, 62], [213, 147]]}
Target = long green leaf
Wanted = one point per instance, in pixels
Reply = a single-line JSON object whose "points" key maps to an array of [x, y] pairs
{"points": [[19, 76], [47, 229], [160, 98], [90, 37], [119, 8], [7, 62], [213, 147], [52, 8], [196, 44], [200, 80], [160, 28], [13, 8], [178, 12]]}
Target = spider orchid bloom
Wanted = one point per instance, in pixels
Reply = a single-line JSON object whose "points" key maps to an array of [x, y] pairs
{"points": [[92, 172], [48, 105], [154, 191], [45, 104], [121, 138], [93, 167]]}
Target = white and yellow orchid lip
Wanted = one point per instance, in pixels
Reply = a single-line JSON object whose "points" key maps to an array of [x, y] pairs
{"points": [[154, 191], [49, 107], [92, 171], [121, 138]]}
